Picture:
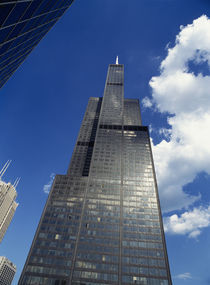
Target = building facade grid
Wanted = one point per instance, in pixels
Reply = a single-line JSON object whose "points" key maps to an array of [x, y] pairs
{"points": [[102, 222], [23, 23], [7, 271]]}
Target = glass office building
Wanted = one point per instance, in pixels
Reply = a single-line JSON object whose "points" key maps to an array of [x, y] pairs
{"points": [[102, 222], [23, 23]]}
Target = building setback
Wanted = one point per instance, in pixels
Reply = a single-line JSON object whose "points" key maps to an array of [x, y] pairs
{"points": [[102, 221], [23, 23], [7, 271]]}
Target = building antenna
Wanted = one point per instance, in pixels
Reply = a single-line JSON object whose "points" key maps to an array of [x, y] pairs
{"points": [[16, 182], [14, 185], [117, 60], [5, 168]]}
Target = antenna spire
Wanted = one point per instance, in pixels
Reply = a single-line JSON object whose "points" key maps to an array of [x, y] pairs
{"points": [[117, 60], [16, 182], [5, 168]]}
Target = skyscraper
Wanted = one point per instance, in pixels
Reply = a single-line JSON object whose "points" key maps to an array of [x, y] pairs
{"points": [[7, 271], [8, 204], [23, 23], [102, 221]]}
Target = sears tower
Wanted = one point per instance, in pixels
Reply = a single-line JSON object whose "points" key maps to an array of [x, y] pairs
{"points": [[102, 222]]}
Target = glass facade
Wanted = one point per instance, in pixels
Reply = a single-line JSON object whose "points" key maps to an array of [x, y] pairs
{"points": [[102, 222], [23, 23]]}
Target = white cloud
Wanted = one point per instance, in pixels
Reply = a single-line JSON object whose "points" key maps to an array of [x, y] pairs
{"points": [[186, 97], [47, 186], [165, 132], [147, 103], [190, 222], [184, 276]]}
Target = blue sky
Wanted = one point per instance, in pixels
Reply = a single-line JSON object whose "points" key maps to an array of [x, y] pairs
{"points": [[42, 105]]}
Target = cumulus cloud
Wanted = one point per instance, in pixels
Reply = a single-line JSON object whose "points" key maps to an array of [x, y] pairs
{"points": [[184, 276], [147, 103], [47, 186], [185, 97], [165, 132], [190, 222]]}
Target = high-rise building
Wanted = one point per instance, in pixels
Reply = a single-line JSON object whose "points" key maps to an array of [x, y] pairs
{"points": [[102, 221], [23, 23], [8, 204], [7, 271]]}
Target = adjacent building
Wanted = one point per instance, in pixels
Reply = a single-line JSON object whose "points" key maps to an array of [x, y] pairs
{"points": [[102, 222], [7, 271], [8, 204], [23, 23]]}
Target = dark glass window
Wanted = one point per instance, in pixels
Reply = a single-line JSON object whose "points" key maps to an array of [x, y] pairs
{"points": [[4, 12], [29, 12], [4, 33], [16, 13], [16, 31], [44, 7]]}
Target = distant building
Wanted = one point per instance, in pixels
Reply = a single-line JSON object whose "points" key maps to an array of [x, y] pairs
{"points": [[7, 271], [8, 204], [102, 222], [23, 23]]}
